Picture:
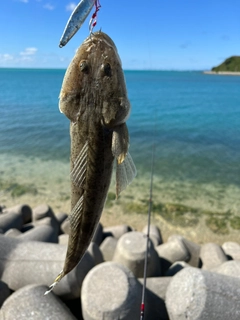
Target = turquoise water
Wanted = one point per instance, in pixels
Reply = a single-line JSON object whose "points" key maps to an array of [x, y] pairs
{"points": [[194, 119]]}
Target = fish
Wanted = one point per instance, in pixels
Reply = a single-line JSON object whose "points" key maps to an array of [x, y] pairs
{"points": [[94, 98], [77, 18]]}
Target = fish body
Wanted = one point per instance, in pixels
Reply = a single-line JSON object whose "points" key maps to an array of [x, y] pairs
{"points": [[76, 20], [94, 98]]}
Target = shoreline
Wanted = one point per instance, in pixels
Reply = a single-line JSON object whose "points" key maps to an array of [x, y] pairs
{"points": [[222, 73], [201, 211]]}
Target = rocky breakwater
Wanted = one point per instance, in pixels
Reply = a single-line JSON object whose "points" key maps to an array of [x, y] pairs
{"points": [[184, 280]]}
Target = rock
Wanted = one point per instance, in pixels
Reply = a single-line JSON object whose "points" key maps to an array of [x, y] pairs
{"points": [[108, 247], [23, 210], [98, 234], [95, 253], [63, 239], [154, 233], [65, 226], [30, 303], [172, 251], [61, 216], [11, 220], [155, 295], [44, 211], [193, 249], [202, 295], [42, 233], [212, 255], [175, 268], [229, 268], [41, 211], [4, 292], [23, 263], [110, 291], [13, 233], [232, 250], [116, 231], [130, 251], [158, 285], [2, 208]]}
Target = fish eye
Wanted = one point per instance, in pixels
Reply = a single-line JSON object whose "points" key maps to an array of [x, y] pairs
{"points": [[84, 66], [106, 69]]}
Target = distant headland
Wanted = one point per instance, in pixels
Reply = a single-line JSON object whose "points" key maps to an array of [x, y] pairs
{"points": [[231, 66]]}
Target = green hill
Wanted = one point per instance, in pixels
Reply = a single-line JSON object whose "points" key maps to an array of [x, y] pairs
{"points": [[231, 64]]}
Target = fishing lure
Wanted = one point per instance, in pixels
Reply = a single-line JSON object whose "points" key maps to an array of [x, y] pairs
{"points": [[78, 17]]}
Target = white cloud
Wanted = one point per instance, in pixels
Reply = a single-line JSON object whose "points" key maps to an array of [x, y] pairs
{"points": [[48, 6], [6, 57], [71, 6], [24, 1], [28, 51]]}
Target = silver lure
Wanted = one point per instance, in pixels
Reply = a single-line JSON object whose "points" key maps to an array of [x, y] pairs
{"points": [[76, 20]]}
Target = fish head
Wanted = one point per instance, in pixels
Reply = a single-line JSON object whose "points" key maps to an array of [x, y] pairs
{"points": [[95, 81]]}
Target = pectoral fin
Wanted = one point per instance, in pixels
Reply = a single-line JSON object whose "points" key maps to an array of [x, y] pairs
{"points": [[78, 173], [120, 142], [125, 173]]}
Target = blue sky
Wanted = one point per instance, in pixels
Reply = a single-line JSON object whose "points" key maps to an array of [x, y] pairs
{"points": [[150, 34]]}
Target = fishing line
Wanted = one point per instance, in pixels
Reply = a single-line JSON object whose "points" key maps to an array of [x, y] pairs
{"points": [[148, 229]]}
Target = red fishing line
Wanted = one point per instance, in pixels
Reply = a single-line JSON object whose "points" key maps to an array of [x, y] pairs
{"points": [[93, 20]]}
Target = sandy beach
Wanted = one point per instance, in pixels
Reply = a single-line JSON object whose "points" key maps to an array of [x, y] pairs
{"points": [[222, 73]]}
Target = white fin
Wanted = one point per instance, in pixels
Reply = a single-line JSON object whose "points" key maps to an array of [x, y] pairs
{"points": [[125, 173], [120, 142], [78, 173]]}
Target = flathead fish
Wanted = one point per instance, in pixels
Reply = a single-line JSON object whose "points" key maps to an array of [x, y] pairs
{"points": [[94, 98]]}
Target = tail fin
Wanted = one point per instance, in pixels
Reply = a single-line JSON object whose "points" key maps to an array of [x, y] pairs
{"points": [[56, 281]]}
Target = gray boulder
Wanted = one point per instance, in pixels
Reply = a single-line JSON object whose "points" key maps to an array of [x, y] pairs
{"points": [[116, 231], [4, 292], [30, 303], [31, 262], [202, 295], [154, 233], [130, 251], [232, 250], [108, 247], [212, 256]]}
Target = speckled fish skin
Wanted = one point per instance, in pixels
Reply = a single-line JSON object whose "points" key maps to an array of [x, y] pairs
{"points": [[94, 98]]}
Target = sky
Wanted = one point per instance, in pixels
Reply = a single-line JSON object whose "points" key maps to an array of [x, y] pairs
{"points": [[149, 34]]}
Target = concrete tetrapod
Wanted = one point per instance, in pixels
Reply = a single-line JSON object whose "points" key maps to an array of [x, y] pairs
{"points": [[23, 263], [130, 251], [110, 292], [212, 256], [108, 247], [232, 249], [22, 210], [116, 231], [203, 295], [154, 233], [29, 303]]}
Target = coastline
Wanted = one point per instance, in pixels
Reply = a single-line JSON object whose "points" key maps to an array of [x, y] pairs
{"points": [[202, 212], [222, 73]]}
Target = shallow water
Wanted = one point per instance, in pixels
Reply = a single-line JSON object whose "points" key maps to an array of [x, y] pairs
{"points": [[194, 119]]}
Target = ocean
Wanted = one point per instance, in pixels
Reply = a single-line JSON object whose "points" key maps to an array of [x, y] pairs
{"points": [[191, 118]]}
